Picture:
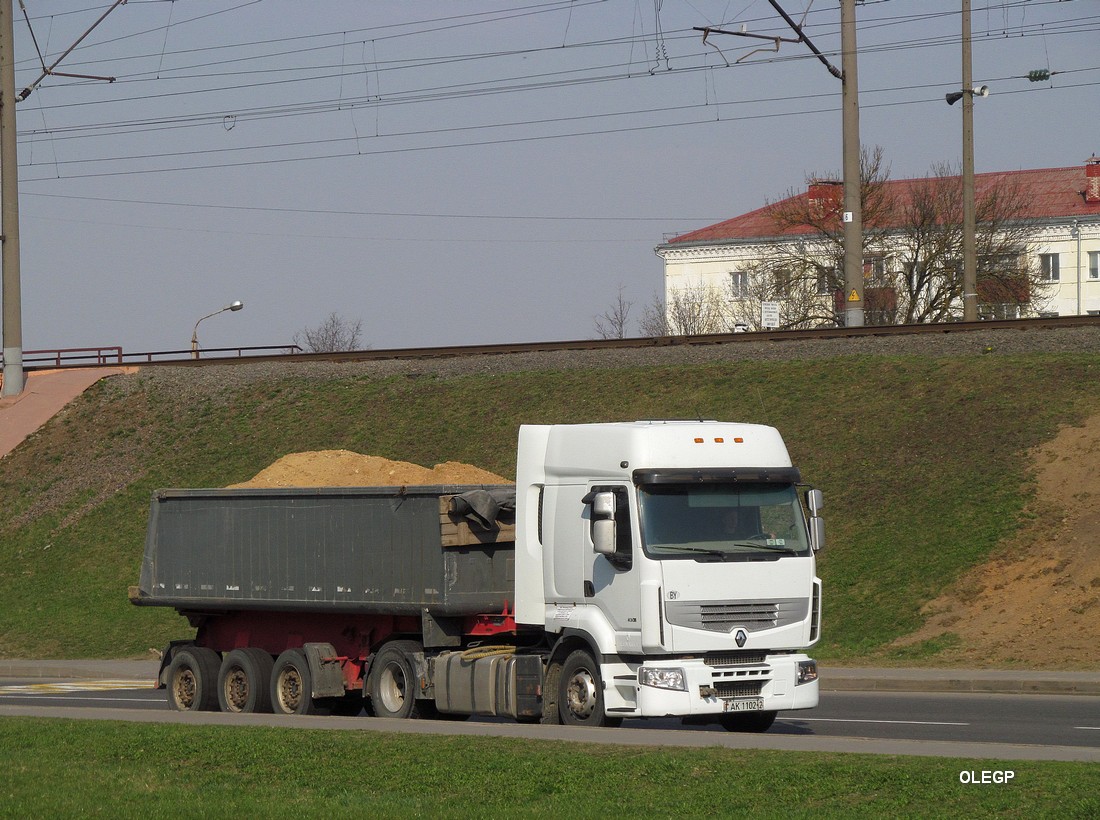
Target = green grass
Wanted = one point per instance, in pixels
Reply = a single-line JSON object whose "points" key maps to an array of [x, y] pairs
{"points": [[923, 463], [68, 768]]}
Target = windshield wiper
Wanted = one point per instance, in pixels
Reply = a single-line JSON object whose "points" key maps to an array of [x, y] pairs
{"points": [[756, 545], [702, 550]]}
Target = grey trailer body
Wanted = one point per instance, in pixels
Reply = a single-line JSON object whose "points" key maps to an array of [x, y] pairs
{"points": [[352, 550]]}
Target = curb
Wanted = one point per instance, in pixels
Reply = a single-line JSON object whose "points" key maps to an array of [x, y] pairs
{"points": [[982, 681]]}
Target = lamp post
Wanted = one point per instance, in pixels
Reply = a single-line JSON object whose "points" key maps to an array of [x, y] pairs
{"points": [[195, 333]]}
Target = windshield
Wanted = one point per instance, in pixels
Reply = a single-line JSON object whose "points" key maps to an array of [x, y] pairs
{"points": [[727, 521]]}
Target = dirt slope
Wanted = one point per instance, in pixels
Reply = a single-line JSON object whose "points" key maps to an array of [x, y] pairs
{"points": [[1039, 604]]}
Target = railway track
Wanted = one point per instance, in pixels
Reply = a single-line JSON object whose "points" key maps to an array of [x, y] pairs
{"points": [[453, 351]]}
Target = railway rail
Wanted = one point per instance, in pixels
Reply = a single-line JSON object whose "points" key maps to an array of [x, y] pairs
{"points": [[243, 356]]}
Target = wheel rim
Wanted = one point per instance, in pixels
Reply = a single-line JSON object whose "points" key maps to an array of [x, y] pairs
{"points": [[289, 689], [236, 690], [580, 694], [391, 687], [185, 689]]}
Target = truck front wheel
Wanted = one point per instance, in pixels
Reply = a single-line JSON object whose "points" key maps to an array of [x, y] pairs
{"points": [[244, 681], [580, 692], [193, 680], [393, 681]]}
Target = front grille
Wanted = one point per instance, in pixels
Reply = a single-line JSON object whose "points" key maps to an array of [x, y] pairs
{"points": [[744, 658], [726, 616], [739, 689]]}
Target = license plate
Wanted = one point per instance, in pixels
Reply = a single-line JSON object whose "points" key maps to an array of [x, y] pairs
{"points": [[743, 705]]}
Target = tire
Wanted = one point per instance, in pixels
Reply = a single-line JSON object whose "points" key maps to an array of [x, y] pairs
{"points": [[393, 681], [580, 692], [244, 681], [292, 686], [193, 680], [748, 722]]}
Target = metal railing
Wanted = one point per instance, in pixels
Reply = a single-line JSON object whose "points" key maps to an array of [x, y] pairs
{"points": [[113, 355]]}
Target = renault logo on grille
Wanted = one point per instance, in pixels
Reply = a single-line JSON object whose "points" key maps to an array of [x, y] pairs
{"points": [[740, 637]]}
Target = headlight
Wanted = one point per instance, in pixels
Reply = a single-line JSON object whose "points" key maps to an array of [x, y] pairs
{"points": [[661, 678], [807, 672]]}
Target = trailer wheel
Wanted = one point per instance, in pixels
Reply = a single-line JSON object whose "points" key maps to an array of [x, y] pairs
{"points": [[748, 722], [292, 686], [244, 681], [580, 692], [193, 680], [393, 681]]}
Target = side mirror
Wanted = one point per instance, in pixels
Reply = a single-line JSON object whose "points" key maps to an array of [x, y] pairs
{"points": [[603, 536], [603, 523], [815, 501], [603, 505], [817, 533]]}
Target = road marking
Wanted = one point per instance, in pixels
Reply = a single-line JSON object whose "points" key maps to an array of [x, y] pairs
{"points": [[75, 686], [74, 698], [894, 722], [1088, 728]]}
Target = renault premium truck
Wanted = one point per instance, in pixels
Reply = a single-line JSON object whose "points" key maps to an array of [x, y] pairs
{"points": [[635, 570]]}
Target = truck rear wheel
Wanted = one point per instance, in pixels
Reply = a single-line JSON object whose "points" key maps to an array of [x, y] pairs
{"points": [[244, 681], [393, 681], [580, 692], [292, 686], [193, 680]]}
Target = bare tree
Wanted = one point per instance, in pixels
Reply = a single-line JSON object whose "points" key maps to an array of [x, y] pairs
{"points": [[691, 311], [612, 323], [654, 321], [334, 334]]}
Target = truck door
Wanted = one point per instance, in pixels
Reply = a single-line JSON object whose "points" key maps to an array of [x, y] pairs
{"points": [[611, 581]]}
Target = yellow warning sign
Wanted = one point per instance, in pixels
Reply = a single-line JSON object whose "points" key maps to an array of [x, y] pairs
{"points": [[853, 296]]}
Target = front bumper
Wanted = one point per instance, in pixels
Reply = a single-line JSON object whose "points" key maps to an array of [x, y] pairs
{"points": [[709, 689]]}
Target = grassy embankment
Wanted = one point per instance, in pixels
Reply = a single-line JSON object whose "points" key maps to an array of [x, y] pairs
{"points": [[63, 768], [923, 463], [924, 467]]}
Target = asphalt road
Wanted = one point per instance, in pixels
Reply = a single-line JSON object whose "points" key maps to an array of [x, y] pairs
{"points": [[982, 726]]}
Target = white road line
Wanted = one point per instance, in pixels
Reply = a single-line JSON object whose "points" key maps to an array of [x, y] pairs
{"points": [[894, 722], [1088, 728]]}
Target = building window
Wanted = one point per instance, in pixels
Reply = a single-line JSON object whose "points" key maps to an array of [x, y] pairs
{"points": [[1048, 264], [739, 284], [781, 279], [1094, 264], [874, 271]]}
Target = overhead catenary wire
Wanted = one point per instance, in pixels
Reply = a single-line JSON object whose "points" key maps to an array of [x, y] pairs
{"points": [[715, 109]]}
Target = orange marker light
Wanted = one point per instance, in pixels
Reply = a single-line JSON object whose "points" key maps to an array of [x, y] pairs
{"points": [[719, 441], [698, 441]]}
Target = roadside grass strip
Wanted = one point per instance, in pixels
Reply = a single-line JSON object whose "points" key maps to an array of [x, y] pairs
{"points": [[74, 686]]}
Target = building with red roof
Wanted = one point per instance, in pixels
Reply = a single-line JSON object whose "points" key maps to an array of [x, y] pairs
{"points": [[1053, 230]]}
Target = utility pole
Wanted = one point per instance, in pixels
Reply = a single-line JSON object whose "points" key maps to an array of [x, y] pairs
{"points": [[9, 185], [853, 207], [9, 210], [970, 256]]}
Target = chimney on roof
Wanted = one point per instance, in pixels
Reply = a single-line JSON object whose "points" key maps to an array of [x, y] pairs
{"points": [[826, 195], [1092, 179]]}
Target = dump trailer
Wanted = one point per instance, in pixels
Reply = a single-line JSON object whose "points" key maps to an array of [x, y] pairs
{"points": [[635, 570]]}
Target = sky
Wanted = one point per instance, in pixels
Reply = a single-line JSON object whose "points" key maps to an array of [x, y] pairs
{"points": [[462, 173]]}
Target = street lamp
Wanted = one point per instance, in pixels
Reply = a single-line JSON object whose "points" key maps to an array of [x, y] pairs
{"points": [[195, 333]]}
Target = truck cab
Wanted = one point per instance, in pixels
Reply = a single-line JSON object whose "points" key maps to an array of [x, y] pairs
{"points": [[674, 565]]}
